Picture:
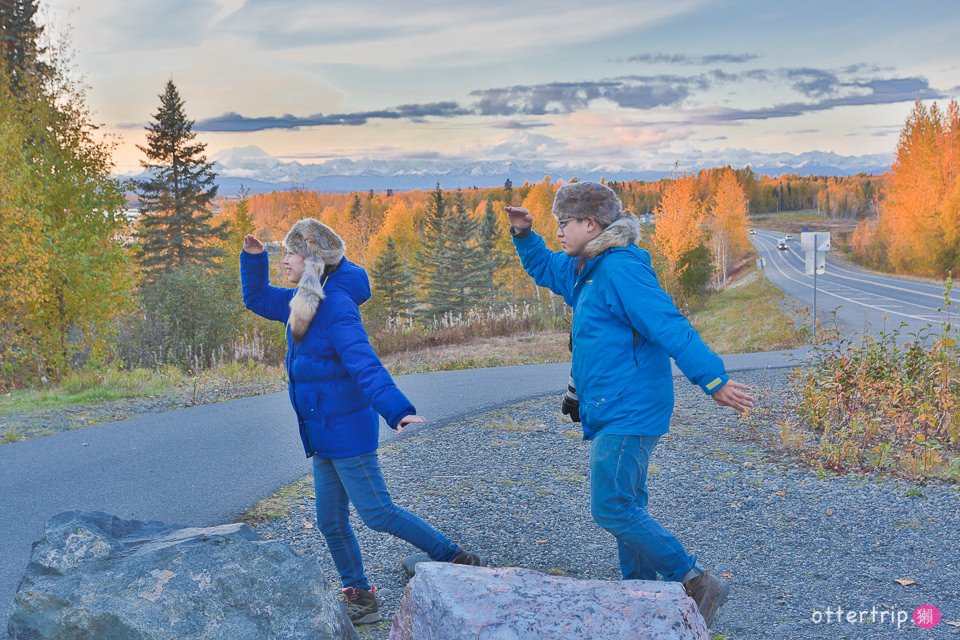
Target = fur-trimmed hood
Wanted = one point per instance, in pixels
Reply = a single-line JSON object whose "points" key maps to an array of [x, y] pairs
{"points": [[322, 250], [623, 232]]}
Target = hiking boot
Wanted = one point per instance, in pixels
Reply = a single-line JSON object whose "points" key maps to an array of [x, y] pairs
{"points": [[362, 605], [709, 592], [470, 559]]}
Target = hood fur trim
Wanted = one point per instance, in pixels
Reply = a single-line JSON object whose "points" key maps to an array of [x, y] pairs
{"points": [[303, 305], [623, 232], [320, 247]]}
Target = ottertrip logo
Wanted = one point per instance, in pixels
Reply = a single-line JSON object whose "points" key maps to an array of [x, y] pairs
{"points": [[925, 616]]}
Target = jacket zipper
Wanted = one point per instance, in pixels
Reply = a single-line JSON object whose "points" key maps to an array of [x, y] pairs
{"points": [[293, 397]]}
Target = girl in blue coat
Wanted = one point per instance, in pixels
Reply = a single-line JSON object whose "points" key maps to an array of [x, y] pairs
{"points": [[337, 386]]}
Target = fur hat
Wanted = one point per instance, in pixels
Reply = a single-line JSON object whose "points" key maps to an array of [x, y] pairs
{"points": [[320, 247], [579, 200]]}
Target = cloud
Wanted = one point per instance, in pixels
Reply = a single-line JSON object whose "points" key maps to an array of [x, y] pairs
{"points": [[684, 59], [521, 124], [880, 91], [138, 25], [233, 121], [396, 34], [823, 89], [633, 92], [813, 83]]}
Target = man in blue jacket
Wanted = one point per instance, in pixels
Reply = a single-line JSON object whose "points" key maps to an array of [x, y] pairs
{"points": [[625, 330]]}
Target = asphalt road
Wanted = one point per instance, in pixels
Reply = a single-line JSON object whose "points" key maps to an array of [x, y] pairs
{"points": [[205, 465], [863, 299]]}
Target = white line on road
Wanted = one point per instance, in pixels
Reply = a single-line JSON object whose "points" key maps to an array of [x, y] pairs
{"points": [[835, 265], [835, 295]]}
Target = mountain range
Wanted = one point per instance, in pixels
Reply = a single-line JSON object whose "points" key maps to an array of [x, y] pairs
{"points": [[259, 172]]}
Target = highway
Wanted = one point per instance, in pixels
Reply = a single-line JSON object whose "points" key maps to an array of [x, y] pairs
{"points": [[864, 300]]}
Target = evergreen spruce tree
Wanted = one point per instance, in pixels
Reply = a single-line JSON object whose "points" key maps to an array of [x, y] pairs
{"points": [[175, 226], [241, 224], [490, 236], [356, 208], [19, 41], [465, 261], [391, 284], [434, 258]]}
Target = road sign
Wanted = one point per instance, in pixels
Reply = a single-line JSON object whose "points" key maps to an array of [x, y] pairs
{"points": [[815, 256], [815, 241], [815, 244]]}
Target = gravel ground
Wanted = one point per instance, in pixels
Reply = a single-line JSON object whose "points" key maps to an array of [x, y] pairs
{"points": [[33, 424], [513, 484]]}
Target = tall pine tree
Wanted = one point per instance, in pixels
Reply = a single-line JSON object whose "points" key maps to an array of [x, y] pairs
{"points": [[464, 261], [175, 226], [489, 241], [391, 284], [19, 41], [434, 258], [241, 224]]}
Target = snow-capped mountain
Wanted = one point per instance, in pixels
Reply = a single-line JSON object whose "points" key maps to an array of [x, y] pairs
{"points": [[259, 172]]}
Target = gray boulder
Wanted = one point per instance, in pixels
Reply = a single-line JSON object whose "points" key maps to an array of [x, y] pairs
{"points": [[93, 576], [449, 602]]}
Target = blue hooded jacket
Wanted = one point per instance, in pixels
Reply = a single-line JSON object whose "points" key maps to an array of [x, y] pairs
{"points": [[337, 383], [625, 330]]}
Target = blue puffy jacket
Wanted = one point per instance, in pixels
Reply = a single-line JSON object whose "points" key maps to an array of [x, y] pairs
{"points": [[337, 383], [625, 330]]}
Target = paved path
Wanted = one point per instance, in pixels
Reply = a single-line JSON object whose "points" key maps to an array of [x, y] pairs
{"points": [[205, 465]]}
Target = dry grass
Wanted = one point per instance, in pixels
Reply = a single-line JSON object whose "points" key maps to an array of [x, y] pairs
{"points": [[748, 318], [536, 348]]}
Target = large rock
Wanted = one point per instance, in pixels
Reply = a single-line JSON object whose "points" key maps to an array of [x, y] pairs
{"points": [[450, 602], [93, 576]]}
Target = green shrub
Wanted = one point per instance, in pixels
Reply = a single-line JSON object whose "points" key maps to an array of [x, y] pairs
{"points": [[888, 403]]}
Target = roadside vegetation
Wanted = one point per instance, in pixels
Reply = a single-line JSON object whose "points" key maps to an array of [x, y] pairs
{"points": [[887, 404]]}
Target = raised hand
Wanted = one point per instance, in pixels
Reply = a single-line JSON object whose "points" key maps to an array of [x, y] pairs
{"points": [[732, 395], [520, 218], [252, 245]]}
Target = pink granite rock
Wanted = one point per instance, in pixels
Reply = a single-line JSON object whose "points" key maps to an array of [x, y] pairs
{"points": [[453, 602]]}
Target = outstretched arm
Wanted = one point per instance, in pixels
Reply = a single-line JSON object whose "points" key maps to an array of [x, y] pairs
{"points": [[636, 294], [272, 303], [349, 339]]}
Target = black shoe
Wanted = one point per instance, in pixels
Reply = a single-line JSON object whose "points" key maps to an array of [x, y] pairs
{"points": [[709, 592], [362, 605]]}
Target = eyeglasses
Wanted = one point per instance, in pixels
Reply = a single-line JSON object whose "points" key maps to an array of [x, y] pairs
{"points": [[562, 226]]}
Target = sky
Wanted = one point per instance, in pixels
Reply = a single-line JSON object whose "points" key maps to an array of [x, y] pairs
{"points": [[625, 85]]}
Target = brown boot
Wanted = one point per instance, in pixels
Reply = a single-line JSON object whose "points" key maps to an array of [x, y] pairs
{"points": [[709, 592], [362, 605], [470, 559]]}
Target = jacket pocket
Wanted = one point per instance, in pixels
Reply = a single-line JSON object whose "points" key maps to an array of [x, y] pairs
{"points": [[597, 410], [308, 403]]}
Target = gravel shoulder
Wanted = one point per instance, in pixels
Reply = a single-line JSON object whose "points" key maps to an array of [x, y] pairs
{"points": [[513, 484]]}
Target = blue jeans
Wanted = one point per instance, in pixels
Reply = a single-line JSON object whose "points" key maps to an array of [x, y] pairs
{"points": [[618, 500], [337, 483]]}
